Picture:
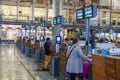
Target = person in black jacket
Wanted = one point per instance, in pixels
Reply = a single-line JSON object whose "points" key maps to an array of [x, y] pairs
{"points": [[47, 53]]}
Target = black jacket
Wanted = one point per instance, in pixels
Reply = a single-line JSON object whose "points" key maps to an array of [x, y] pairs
{"points": [[47, 48]]}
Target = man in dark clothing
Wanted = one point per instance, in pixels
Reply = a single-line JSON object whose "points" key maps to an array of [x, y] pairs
{"points": [[47, 47], [47, 53]]}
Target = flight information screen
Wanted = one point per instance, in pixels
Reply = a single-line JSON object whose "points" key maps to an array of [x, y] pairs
{"points": [[88, 12], [54, 21], [79, 14], [58, 20]]}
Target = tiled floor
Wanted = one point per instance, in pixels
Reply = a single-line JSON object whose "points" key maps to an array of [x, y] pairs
{"points": [[15, 66]]}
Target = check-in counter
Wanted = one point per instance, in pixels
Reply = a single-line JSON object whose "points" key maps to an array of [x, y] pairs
{"points": [[28, 48], [105, 67], [23, 46], [36, 45]]}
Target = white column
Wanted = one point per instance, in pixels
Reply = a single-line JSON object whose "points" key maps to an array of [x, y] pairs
{"points": [[61, 7], [47, 10], [107, 18], [100, 17], [57, 10], [0, 20], [33, 9], [17, 9]]}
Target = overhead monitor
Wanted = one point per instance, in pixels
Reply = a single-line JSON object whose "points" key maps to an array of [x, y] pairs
{"points": [[58, 39], [79, 14], [54, 21], [90, 11], [59, 19]]}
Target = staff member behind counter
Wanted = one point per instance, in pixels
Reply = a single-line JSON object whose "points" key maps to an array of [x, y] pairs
{"points": [[75, 63]]}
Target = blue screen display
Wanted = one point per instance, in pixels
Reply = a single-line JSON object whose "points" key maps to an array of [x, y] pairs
{"points": [[31, 37], [88, 12], [58, 20], [79, 14], [54, 21]]}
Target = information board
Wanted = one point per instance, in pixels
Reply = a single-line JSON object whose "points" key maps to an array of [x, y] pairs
{"points": [[90, 11], [54, 21], [58, 20], [79, 14]]}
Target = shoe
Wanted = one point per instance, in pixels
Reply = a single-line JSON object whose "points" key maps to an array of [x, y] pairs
{"points": [[47, 69], [44, 70]]}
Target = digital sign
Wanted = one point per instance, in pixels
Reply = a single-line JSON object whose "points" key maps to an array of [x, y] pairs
{"points": [[58, 39], [58, 20], [54, 21], [79, 14], [90, 11]]}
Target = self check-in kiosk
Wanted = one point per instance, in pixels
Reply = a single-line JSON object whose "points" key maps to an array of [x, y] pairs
{"points": [[55, 60]]}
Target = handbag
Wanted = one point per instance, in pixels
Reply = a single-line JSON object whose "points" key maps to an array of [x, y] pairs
{"points": [[65, 75], [70, 54]]}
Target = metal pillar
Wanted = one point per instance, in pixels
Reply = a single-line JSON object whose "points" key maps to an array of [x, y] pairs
{"points": [[87, 35], [0, 31], [46, 18], [36, 26], [17, 9], [25, 32], [93, 40]]}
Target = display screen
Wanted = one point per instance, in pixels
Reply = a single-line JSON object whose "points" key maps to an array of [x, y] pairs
{"points": [[79, 14], [58, 39], [54, 21], [31, 37], [23, 26], [88, 12], [41, 38], [58, 20]]}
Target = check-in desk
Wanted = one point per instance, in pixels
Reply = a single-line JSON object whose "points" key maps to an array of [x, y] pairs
{"points": [[105, 68], [28, 48], [22, 46]]}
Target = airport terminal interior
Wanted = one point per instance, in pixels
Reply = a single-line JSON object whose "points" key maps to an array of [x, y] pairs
{"points": [[26, 26]]}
